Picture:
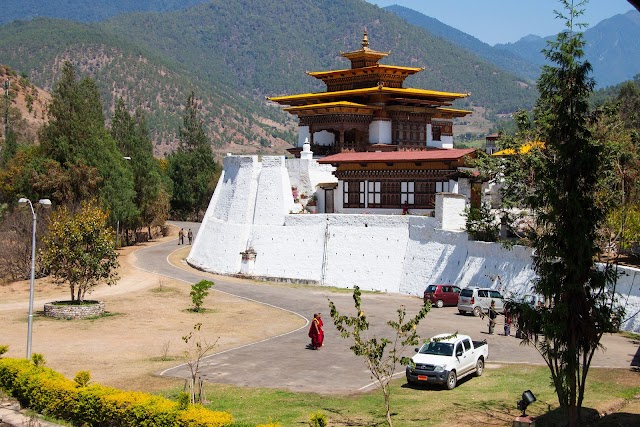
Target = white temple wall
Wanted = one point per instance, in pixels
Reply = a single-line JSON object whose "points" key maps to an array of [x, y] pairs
{"points": [[390, 253], [380, 132]]}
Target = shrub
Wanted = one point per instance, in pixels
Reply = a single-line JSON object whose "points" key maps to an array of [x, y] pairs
{"points": [[198, 292], [318, 419], [48, 392], [82, 378], [3, 349]]}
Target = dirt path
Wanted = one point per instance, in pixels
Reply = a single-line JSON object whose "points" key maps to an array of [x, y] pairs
{"points": [[141, 335]]}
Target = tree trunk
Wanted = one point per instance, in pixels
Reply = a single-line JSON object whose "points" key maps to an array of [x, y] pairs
{"points": [[385, 391]]}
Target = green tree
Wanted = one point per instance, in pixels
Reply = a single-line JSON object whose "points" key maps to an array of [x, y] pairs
{"points": [[132, 138], [192, 168], [198, 293], [76, 137], [481, 223], [563, 200], [80, 250], [380, 354]]}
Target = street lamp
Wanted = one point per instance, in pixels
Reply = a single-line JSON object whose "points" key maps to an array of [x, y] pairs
{"points": [[25, 202]]}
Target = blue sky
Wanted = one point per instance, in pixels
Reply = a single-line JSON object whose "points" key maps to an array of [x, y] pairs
{"points": [[504, 21]]}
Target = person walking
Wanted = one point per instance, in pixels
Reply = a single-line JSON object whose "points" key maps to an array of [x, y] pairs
{"points": [[493, 315], [190, 236], [321, 329], [315, 333], [181, 236]]}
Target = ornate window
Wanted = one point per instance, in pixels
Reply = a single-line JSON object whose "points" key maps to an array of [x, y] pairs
{"points": [[353, 194], [436, 133], [373, 195], [407, 192], [443, 187]]}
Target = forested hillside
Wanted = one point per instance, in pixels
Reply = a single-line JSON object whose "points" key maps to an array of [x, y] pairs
{"points": [[85, 11], [154, 60], [143, 78], [278, 41]]}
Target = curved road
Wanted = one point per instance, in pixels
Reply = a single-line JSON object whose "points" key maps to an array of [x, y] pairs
{"points": [[284, 362]]}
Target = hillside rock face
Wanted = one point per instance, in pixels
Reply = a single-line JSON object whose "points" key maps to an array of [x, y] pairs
{"points": [[27, 105]]}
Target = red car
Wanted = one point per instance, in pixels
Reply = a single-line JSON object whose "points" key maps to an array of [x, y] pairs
{"points": [[441, 295]]}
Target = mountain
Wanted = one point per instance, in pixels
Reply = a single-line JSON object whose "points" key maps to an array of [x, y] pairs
{"points": [[612, 48], [143, 78], [234, 53], [502, 58], [80, 10]]}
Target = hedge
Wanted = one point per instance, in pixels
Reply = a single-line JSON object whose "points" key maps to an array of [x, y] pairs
{"points": [[50, 393]]}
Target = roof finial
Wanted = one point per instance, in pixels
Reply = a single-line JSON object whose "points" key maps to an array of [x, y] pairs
{"points": [[365, 39]]}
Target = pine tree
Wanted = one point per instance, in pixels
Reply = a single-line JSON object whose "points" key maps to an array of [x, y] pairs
{"points": [[75, 138], [192, 168], [563, 200]]}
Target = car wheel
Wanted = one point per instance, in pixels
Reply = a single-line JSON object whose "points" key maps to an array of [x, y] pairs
{"points": [[452, 380], [439, 303], [477, 311], [462, 312], [479, 367]]}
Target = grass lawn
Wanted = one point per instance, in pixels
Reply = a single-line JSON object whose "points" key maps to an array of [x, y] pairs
{"points": [[489, 400]]}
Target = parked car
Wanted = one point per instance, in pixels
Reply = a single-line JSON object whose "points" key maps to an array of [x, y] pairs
{"points": [[533, 300], [446, 358], [478, 300], [441, 295]]}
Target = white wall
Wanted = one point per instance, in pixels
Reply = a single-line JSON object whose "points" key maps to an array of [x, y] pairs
{"points": [[380, 132], [391, 253]]}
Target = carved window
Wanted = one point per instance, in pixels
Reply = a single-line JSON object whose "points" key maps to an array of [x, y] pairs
{"points": [[353, 194], [374, 199], [436, 133], [407, 192]]}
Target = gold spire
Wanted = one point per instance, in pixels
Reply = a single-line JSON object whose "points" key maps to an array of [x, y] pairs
{"points": [[365, 40]]}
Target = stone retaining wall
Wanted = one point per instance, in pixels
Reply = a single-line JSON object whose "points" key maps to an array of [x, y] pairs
{"points": [[70, 311]]}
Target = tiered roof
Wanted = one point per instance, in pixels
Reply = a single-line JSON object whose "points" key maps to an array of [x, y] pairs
{"points": [[367, 85]]}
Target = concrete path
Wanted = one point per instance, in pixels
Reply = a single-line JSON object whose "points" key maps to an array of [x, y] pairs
{"points": [[284, 362]]}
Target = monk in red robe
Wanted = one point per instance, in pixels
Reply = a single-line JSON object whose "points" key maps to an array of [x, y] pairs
{"points": [[315, 332]]}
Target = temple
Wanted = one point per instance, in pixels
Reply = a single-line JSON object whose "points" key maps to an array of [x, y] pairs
{"points": [[366, 108], [392, 146]]}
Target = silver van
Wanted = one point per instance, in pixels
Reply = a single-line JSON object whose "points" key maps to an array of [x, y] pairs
{"points": [[478, 300]]}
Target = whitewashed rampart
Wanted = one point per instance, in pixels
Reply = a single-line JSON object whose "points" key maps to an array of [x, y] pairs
{"points": [[251, 207]]}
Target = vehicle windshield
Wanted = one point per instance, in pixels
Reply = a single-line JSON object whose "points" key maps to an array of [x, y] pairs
{"points": [[437, 348], [431, 289], [466, 293]]}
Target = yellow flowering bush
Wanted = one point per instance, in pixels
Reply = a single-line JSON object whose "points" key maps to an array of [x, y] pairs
{"points": [[48, 392]]}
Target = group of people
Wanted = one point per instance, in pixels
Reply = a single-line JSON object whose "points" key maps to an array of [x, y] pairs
{"points": [[316, 333], [493, 316], [181, 236]]}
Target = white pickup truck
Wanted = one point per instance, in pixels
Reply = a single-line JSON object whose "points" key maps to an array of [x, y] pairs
{"points": [[446, 358]]}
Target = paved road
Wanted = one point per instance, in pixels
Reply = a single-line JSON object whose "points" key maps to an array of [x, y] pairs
{"points": [[284, 362]]}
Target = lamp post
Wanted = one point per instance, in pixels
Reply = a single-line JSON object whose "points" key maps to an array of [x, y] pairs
{"points": [[25, 202]]}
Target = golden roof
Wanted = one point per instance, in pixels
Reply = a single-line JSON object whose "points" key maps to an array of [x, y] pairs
{"points": [[442, 96], [365, 51], [375, 69], [456, 112], [333, 107]]}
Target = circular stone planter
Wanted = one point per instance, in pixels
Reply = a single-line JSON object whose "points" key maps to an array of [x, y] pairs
{"points": [[72, 310]]}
